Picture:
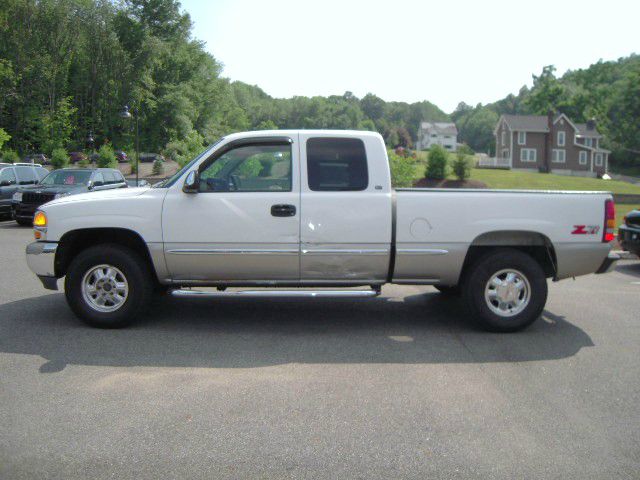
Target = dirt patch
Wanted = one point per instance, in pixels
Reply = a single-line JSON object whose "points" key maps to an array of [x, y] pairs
{"points": [[430, 183]]}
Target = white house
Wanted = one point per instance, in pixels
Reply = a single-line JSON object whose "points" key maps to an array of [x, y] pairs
{"points": [[437, 133]]}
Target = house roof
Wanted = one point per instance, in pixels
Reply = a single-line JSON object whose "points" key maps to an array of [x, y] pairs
{"points": [[443, 128], [583, 131], [527, 123]]}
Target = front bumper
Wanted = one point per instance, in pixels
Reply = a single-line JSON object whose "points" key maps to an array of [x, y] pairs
{"points": [[608, 263], [40, 259], [24, 211], [629, 238]]}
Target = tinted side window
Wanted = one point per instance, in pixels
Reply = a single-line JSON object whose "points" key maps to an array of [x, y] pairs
{"points": [[336, 164], [109, 177], [26, 175], [7, 175], [41, 172], [98, 178]]}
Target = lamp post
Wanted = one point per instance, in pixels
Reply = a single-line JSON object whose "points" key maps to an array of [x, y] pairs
{"points": [[125, 113]]}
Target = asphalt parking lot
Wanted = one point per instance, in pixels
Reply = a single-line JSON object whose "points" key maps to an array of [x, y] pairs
{"points": [[401, 386]]}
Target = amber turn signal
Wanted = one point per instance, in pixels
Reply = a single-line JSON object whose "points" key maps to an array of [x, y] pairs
{"points": [[40, 220]]}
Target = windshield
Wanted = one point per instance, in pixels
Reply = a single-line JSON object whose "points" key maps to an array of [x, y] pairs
{"points": [[67, 177], [171, 180]]}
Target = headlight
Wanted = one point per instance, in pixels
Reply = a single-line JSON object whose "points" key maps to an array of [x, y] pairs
{"points": [[60, 195], [17, 196]]}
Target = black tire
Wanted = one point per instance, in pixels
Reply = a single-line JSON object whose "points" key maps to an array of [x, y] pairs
{"points": [[24, 223], [448, 291], [133, 268], [484, 269]]}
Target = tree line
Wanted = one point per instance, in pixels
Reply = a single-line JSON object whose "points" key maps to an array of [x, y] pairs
{"points": [[68, 67]]}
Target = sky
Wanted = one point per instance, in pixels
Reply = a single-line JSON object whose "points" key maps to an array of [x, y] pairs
{"points": [[444, 51]]}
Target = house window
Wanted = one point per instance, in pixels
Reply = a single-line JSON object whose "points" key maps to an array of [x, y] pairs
{"points": [[558, 155], [582, 158], [505, 153], [561, 139], [504, 138], [587, 142], [598, 159], [522, 138], [528, 155]]}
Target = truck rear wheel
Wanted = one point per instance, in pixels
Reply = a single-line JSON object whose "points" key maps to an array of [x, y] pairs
{"points": [[506, 290], [108, 285]]}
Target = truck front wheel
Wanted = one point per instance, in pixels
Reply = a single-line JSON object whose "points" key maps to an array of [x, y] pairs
{"points": [[108, 285], [506, 290]]}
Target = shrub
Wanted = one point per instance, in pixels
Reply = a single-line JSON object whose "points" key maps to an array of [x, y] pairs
{"points": [[437, 163], [132, 163], [250, 168], [158, 167], [461, 166], [83, 163], [59, 158], [182, 151], [10, 156], [106, 157], [402, 170]]}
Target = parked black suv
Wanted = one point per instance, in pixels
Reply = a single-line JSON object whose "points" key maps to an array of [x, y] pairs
{"points": [[59, 183], [14, 178], [629, 232]]}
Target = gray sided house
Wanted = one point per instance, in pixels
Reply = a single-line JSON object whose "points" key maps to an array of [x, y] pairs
{"points": [[554, 143], [437, 133]]}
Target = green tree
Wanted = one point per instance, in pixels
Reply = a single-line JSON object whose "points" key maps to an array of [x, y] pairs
{"points": [[547, 92], [106, 157], [10, 156], [59, 158], [461, 165], [437, 163], [403, 170], [4, 137]]}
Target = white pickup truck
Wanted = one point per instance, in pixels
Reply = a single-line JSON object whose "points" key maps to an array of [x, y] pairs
{"points": [[312, 213]]}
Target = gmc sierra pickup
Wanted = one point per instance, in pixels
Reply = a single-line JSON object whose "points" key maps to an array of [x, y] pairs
{"points": [[310, 213]]}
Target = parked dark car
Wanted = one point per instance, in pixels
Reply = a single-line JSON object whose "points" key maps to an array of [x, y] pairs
{"points": [[629, 233], [121, 156], [150, 157], [60, 183], [141, 182], [75, 157], [14, 178], [40, 158]]}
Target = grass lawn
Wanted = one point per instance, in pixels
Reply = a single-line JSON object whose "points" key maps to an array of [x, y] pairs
{"points": [[548, 181], [508, 179], [622, 209]]}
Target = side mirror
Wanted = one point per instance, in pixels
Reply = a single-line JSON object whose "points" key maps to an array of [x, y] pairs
{"points": [[191, 183], [97, 184], [5, 183]]}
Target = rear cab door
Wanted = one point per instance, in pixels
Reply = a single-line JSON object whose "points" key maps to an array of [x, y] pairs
{"points": [[346, 208]]}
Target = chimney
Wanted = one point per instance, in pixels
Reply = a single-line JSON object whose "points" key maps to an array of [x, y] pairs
{"points": [[591, 124]]}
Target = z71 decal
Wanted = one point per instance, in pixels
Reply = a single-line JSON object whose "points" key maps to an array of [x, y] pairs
{"points": [[585, 230]]}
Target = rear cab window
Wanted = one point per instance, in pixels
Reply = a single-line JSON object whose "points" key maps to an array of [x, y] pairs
{"points": [[336, 164]]}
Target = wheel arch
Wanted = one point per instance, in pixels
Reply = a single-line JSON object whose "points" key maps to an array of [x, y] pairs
{"points": [[535, 244], [75, 241]]}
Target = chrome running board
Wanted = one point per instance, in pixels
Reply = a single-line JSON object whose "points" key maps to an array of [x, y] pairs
{"points": [[278, 293]]}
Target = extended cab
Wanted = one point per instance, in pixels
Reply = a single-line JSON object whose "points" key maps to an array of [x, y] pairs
{"points": [[315, 209]]}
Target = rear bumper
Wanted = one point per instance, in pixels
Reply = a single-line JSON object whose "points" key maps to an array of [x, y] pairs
{"points": [[629, 238], [608, 263], [41, 260]]}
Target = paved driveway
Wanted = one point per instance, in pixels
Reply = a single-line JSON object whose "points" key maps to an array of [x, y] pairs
{"points": [[401, 386]]}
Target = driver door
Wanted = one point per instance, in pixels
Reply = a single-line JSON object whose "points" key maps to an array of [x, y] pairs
{"points": [[243, 225]]}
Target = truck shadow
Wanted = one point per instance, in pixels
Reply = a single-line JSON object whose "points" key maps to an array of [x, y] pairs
{"points": [[231, 333], [629, 268]]}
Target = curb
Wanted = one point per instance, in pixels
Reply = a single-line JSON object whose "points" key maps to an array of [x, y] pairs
{"points": [[625, 255]]}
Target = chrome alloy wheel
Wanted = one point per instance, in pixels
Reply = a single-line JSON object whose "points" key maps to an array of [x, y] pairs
{"points": [[105, 288], [507, 292]]}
